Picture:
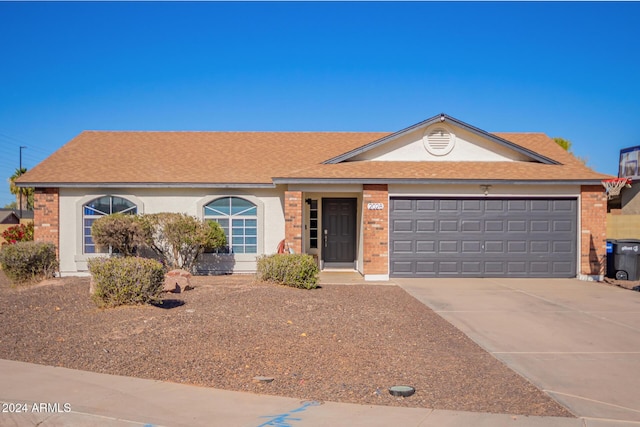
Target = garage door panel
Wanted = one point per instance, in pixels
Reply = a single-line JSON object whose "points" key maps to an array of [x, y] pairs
{"points": [[428, 267], [540, 205], [425, 246], [471, 206], [471, 267], [471, 225], [562, 247], [448, 205], [562, 226], [539, 246], [516, 267], [517, 205], [445, 225], [517, 246], [402, 246], [494, 226], [428, 225], [472, 247], [540, 267], [448, 246], [562, 268], [539, 226], [425, 205], [402, 225], [494, 206], [564, 206], [483, 237], [399, 205], [516, 225], [494, 267], [496, 246], [448, 267]]}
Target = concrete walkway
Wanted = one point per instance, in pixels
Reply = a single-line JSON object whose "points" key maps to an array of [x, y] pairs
{"points": [[577, 341], [49, 396]]}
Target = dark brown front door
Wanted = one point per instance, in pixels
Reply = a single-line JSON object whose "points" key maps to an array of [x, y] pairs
{"points": [[339, 230]]}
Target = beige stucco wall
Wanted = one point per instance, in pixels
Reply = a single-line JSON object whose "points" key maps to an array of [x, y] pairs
{"points": [[468, 147], [189, 201]]}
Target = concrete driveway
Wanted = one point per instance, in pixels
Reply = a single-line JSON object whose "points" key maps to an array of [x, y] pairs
{"points": [[577, 341]]}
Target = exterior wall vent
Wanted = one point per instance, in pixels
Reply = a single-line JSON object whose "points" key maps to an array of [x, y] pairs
{"points": [[439, 141]]}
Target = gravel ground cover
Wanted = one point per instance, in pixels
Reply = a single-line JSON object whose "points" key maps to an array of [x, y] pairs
{"points": [[344, 343]]}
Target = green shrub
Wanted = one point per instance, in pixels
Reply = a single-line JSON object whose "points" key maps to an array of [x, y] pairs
{"points": [[296, 270], [179, 239], [123, 233], [25, 262], [126, 281]]}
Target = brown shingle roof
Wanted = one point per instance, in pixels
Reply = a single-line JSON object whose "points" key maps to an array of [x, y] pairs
{"points": [[257, 157]]}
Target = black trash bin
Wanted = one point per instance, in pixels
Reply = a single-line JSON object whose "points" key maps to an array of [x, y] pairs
{"points": [[626, 259], [611, 271]]}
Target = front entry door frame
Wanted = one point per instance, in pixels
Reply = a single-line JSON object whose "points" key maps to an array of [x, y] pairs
{"points": [[338, 235]]}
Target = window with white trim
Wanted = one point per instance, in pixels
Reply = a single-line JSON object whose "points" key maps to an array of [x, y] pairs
{"points": [[239, 219], [97, 208]]}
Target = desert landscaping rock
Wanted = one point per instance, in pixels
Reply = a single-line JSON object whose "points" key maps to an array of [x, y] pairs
{"points": [[261, 379], [177, 281], [240, 328]]}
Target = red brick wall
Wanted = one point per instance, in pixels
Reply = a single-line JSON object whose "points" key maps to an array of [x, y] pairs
{"points": [[593, 233], [293, 220], [375, 229], [46, 216]]}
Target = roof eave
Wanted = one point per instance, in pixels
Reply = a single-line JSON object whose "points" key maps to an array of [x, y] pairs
{"points": [[435, 181], [145, 185]]}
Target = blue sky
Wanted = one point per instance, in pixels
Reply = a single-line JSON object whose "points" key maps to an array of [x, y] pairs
{"points": [[568, 69]]}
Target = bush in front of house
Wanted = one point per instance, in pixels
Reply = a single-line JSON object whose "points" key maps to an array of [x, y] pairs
{"points": [[18, 233], [25, 262], [123, 233], [296, 270], [126, 281], [179, 239]]}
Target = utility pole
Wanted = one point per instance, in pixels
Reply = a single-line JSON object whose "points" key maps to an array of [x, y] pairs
{"points": [[20, 189]]}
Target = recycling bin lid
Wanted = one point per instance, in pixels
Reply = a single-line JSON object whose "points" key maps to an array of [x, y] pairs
{"points": [[627, 246]]}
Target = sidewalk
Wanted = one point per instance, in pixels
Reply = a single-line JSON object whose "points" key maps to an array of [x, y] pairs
{"points": [[63, 397]]}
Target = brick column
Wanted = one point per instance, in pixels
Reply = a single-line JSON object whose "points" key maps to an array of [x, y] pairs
{"points": [[593, 233], [375, 231], [46, 216], [293, 220]]}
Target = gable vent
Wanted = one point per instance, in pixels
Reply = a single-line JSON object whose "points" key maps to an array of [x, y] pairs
{"points": [[439, 142]]}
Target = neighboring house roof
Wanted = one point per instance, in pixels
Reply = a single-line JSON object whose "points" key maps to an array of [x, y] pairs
{"points": [[8, 217], [96, 158]]}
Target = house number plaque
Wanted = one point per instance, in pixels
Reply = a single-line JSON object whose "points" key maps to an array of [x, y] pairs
{"points": [[375, 206]]}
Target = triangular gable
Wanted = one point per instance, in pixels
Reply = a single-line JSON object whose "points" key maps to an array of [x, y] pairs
{"points": [[435, 139]]}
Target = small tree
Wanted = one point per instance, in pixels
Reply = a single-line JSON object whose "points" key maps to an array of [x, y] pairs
{"points": [[564, 143], [179, 239], [27, 193], [123, 233]]}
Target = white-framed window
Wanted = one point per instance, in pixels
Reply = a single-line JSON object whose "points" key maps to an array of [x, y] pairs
{"points": [[313, 224], [239, 219], [97, 208]]}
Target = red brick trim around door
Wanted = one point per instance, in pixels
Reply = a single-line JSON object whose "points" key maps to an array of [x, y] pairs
{"points": [[375, 230]]}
